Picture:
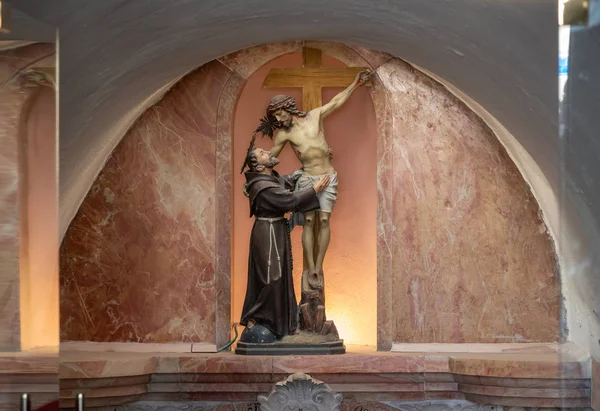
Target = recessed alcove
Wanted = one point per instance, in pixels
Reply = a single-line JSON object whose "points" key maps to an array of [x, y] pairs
{"points": [[351, 261]]}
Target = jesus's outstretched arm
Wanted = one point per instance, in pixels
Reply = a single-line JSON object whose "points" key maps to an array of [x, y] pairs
{"points": [[339, 100]]}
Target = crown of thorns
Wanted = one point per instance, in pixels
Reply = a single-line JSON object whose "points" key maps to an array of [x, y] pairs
{"points": [[268, 124]]}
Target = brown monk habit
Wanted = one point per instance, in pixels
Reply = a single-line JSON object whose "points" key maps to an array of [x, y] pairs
{"points": [[270, 298]]}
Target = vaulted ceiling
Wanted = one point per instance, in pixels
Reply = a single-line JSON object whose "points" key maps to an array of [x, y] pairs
{"points": [[116, 55]]}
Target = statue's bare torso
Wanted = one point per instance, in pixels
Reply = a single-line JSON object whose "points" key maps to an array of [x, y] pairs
{"points": [[307, 138]]}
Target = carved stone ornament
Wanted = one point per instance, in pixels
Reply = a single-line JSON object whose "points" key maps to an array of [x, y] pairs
{"points": [[301, 392]]}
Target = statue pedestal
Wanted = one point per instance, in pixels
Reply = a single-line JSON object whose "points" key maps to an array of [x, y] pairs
{"points": [[258, 340], [317, 335]]}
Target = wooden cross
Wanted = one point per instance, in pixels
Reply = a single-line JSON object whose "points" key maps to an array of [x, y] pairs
{"points": [[312, 78]]}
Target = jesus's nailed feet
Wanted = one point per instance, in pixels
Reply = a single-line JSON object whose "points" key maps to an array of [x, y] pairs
{"points": [[315, 281]]}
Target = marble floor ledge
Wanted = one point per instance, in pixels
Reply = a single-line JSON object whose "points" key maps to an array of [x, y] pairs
{"points": [[549, 361]]}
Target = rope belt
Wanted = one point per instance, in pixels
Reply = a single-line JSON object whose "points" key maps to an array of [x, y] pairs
{"points": [[272, 239]]}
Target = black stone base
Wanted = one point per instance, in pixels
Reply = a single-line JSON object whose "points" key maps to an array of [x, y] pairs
{"points": [[279, 348]]}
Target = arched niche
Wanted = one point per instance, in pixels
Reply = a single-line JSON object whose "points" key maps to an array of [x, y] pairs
{"points": [[351, 258], [29, 275], [38, 260], [457, 226], [244, 64]]}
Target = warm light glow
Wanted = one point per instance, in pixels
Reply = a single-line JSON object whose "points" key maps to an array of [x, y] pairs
{"points": [[345, 326], [38, 268]]}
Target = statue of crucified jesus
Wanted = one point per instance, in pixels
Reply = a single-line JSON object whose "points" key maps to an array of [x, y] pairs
{"points": [[305, 133]]}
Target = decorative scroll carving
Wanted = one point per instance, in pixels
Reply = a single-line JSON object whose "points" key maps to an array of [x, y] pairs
{"points": [[301, 392]]}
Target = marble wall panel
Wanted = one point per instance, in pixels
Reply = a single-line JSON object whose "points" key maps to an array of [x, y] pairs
{"points": [[138, 260], [472, 259]]}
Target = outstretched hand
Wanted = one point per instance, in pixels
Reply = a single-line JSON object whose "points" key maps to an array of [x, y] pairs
{"points": [[364, 76], [321, 184]]}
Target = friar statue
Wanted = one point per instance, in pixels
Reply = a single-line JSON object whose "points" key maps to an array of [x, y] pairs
{"points": [[270, 309], [305, 133]]}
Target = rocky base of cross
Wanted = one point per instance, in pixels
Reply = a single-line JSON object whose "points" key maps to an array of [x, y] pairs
{"points": [[312, 307]]}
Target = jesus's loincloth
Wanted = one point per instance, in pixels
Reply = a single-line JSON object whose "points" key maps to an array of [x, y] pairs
{"points": [[328, 196]]}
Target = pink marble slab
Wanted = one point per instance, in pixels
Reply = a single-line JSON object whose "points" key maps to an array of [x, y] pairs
{"points": [[226, 364], [466, 229], [437, 363], [349, 363], [224, 206], [98, 368], [138, 260], [517, 368], [26, 363], [385, 212]]}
